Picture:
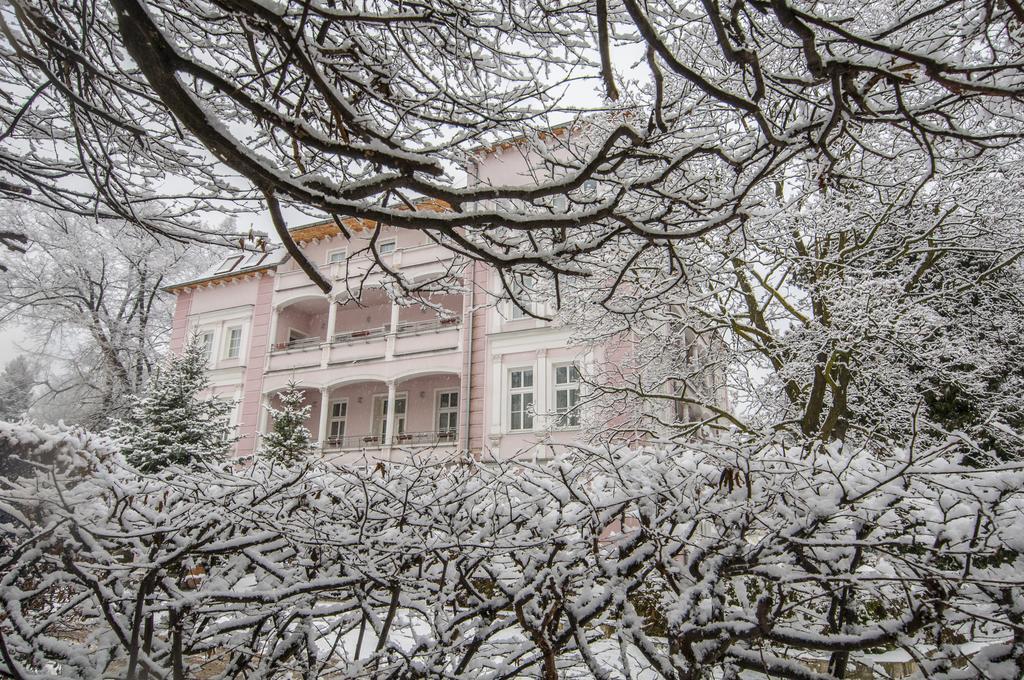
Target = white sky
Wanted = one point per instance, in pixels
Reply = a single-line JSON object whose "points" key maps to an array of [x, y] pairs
{"points": [[10, 338]]}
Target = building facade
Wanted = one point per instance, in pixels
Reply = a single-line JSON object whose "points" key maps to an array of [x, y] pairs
{"points": [[463, 371], [450, 372]]}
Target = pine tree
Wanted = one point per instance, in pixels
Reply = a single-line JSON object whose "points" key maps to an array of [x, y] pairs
{"points": [[171, 424], [289, 441], [16, 385]]}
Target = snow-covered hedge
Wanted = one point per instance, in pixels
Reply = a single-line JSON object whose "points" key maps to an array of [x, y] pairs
{"points": [[678, 563]]}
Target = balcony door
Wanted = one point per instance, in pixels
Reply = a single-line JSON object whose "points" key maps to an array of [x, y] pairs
{"points": [[380, 406]]}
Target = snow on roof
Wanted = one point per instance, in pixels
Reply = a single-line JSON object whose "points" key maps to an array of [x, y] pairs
{"points": [[236, 265]]}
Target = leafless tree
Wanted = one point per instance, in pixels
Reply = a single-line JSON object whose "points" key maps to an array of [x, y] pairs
{"points": [[354, 109], [87, 294]]}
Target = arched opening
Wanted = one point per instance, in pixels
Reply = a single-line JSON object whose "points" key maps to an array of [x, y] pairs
{"points": [[302, 323], [425, 412]]}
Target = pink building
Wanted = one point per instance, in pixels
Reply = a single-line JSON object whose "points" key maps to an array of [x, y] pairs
{"points": [[461, 371]]}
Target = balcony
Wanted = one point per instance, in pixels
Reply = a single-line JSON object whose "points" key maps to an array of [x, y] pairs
{"points": [[401, 440], [351, 418], [297, 344]]}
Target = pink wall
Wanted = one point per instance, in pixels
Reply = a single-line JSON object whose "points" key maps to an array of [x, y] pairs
{"points": [[252, 385], [216, 298], [374, 312], [179, 330], [417, 312]]}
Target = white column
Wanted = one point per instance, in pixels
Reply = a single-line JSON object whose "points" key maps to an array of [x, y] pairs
{"points": [[497, 396], [261, 429], [325, 406], [394, 316], [274, 314], [332, 318], [541, 381], [389, 342], [389, 414]]}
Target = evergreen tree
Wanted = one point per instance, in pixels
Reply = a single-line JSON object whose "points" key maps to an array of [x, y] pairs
{"points": [[171, 424], [289, 441], [16, 385]]}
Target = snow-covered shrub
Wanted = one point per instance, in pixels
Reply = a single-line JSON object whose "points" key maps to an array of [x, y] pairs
{"points": [[758, 558], [171, 424]]}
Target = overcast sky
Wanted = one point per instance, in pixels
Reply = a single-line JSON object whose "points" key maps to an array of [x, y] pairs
{"points": [[9, 339]]}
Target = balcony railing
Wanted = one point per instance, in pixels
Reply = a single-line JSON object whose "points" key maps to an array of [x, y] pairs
{"points": [[372, 441], [412, 327], [300, 343], [364, 334], [403, 328]]}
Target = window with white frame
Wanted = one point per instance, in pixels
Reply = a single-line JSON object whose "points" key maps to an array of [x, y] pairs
{"points": [[336, 423], [386, 247], [447, 414], [234, 346], [520, 399], [335, 256], [205, 340], [567, 395], [519, 288]]}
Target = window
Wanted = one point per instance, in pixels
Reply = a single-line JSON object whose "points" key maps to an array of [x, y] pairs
{"points": [[567, 395], [520, 287], [228, 264], [205, 340], [234, 343], [521, 399], [337, 256], [447, 414], [380, 416], [295, 334], [254, 259], [386, 247], [336, 423]]}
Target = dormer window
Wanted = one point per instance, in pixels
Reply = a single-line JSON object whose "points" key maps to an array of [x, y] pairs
{"points": [[386, 247], [228, 264], [254, 259]]}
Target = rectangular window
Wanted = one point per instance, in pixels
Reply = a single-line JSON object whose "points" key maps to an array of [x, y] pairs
{"points": [[254, 259], [336, 256], [521, 399], [520, 288], [386, 247], [205, 340], [567, 395], [234, 343], [380, 417], [228, 264], [447, 414], [336, 423]]}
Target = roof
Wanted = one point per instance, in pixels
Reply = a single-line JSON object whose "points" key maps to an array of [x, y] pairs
{"points": [[234, 267], [555, 130], [510, 142], [328, 228], [241, 265]]}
